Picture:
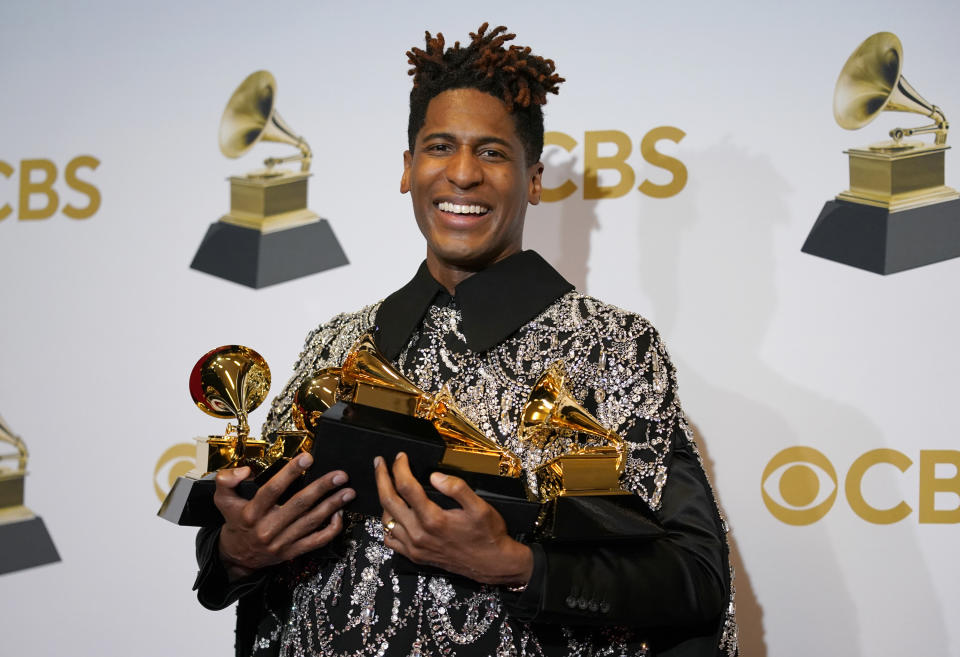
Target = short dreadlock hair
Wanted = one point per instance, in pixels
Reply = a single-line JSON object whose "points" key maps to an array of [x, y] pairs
{"points": [[514, 75]]}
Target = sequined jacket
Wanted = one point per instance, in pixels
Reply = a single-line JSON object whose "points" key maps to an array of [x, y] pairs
{"points": [[490, 342]]}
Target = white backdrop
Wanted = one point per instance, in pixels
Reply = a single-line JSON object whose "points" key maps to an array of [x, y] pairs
{"points": [[102, 318]]}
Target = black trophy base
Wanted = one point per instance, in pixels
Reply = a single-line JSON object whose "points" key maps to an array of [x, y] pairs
{"points": [[255, 259], [190, 501], [25, 544], [349, 436], [885, 242]]}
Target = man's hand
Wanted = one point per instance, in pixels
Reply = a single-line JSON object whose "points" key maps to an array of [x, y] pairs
{"points": [[259, 533], [471, 541]]}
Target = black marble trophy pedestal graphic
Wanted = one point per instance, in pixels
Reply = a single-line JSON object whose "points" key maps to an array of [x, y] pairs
{"points": [[24, 539], [885, 242], [269, 236], [25, 544], [249, 257]]}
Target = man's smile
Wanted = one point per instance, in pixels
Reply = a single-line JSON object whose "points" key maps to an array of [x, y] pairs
{"points": [[457, 208]]}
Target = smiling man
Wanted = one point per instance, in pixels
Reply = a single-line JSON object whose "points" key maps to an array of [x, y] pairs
{"points": [[470, 180], [485, 318]]}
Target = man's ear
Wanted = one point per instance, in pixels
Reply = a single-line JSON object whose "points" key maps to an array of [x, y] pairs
{"points": [[405, 178], [535, 176]]}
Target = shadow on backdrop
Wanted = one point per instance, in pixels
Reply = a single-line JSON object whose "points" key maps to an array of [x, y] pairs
{"points": [[561, 232], [708, 261]]}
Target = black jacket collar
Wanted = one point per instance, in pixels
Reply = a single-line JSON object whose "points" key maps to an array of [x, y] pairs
{"points": [[494, 302]]}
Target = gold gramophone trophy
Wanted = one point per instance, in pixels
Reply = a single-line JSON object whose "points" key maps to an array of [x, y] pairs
{"points": [[229, 382], [550, 413], [24, 540], [579, 488], [898, 212], [269, 236], [367, 407]]}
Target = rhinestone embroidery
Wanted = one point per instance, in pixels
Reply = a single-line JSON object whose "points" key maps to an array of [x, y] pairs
{"points": [[618, 369]]}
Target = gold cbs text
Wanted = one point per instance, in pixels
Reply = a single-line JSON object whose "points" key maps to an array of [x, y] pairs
{"points": [[37, 179], [792, 476], [593, 163]]}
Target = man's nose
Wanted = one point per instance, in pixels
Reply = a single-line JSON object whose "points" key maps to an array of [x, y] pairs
{"points": [[463, 169]]}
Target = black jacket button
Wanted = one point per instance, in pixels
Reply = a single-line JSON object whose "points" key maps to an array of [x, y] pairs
{"points": [[593, 606], [582, 603], [604, 607], [571, 601]]}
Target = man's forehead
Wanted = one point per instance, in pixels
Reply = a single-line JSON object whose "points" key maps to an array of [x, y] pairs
{"points": [[469, 115]]}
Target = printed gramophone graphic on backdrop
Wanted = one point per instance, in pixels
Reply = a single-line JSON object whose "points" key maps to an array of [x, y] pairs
{"points": [[347, 415], [24, 540], [269, 236], [898, 213]]}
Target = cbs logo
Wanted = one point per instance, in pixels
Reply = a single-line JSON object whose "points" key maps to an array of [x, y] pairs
{"points": [[178, 460], [799, 486], [37, 178], [593, 163]]}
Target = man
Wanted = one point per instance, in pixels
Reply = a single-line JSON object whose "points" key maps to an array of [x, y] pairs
{"points": [[485, 318]]}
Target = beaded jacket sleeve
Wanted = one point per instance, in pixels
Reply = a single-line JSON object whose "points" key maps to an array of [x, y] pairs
{"points": [[673, 594]]}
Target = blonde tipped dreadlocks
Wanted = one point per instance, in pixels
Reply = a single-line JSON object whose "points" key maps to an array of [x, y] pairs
{"points": [[519, 78]]}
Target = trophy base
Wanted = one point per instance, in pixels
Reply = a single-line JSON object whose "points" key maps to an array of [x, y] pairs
{"points": [[24, 541], [190, 501], [883, 241], [348, 437], [257, 259]]}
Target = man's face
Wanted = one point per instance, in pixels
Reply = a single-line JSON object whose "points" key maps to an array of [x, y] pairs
{"points": [[469, 182]]}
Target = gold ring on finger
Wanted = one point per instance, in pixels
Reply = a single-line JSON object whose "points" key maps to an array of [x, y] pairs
{"points": [[388, 528]]}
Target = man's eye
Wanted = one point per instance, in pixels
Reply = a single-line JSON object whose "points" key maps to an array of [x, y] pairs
{"points": [[437, 148], [491, 154]]}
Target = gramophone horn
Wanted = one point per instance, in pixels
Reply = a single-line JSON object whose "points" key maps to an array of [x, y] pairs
{"points": [[872, 82], [230, 381], [551, 407], [463, 435], [251, 116], [374, 381], [7, 436], [314, 396]]}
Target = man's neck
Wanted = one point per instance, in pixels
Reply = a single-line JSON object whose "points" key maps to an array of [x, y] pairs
{"points": [[450, 275]]}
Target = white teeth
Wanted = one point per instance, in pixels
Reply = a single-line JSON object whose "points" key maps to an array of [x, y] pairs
{"points": [[461, 209]]}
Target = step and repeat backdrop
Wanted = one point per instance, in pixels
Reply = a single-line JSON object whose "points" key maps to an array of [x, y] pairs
{"points": [[689, 154]]}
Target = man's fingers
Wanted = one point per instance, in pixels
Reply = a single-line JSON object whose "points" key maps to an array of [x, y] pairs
{"points": [[224, 496], [271, 491], [304, 500], [407, 485], [459, 490], [314, 518], [315, 540], [390, 500], [394, 539], [231, 477]]}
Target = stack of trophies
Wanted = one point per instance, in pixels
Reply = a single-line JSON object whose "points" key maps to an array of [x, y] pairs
{"points": [[366, 407]]}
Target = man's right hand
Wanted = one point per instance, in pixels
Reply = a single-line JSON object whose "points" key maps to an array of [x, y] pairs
{"points": [[259, 532]]}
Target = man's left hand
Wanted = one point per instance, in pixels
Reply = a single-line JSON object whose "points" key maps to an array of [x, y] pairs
{"points": [[471, 541]]}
